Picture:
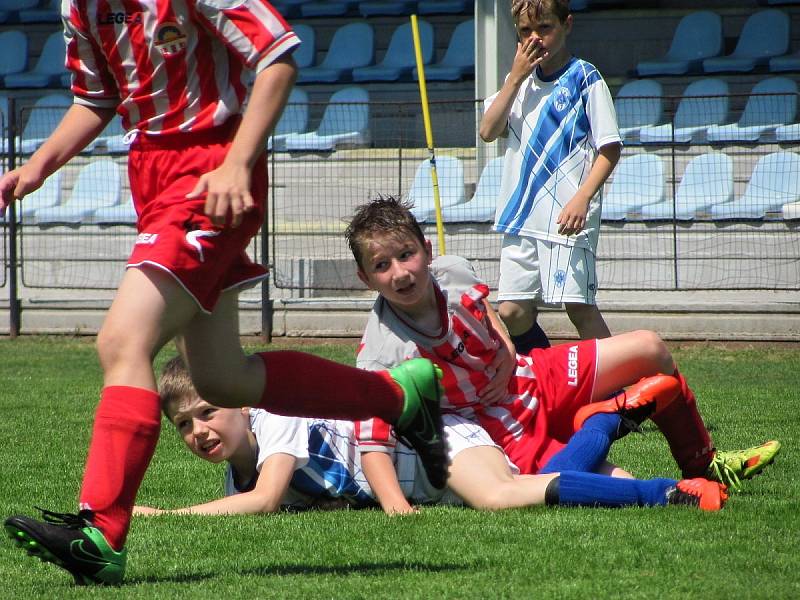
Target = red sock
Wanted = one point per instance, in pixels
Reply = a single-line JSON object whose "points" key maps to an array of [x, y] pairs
{"points": [[687, 436], [126, 428], [304, 385]]}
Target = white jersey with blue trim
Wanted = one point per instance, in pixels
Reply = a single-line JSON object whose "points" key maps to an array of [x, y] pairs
{"points": [[328, 461], [555, 127]]}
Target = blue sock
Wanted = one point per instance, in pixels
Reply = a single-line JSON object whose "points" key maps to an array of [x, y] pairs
{"points": [[535, 337], [588, 447], [591, 489]]}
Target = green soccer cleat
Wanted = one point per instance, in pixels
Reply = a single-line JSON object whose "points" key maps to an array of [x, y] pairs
{"points": [[73, 543], [420, 424], [732, 466]]}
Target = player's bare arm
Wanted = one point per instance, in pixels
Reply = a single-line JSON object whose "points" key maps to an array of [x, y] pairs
{"points": [[572, 218], [382, 477], [495, 121], [80, 125], [227, 188], [273, 481], [504, 363]]}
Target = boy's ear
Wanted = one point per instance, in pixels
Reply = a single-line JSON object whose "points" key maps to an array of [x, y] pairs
{"points": [[429, 250], [363, 277]]}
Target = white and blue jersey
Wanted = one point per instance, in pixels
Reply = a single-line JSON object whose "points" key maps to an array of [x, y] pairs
{"points": [[327, 461], [555, 126]]}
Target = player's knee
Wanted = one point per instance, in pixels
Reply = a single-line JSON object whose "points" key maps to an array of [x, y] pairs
{"points": [[110, 344], [518, 317], [581, 314], [653, 349], [491, 499]]}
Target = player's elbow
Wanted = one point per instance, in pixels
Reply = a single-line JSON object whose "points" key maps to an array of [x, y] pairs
{"points": [[487, 135]]}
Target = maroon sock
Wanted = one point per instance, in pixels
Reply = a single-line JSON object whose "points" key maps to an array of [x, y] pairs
{"points": [[304, 385], [686, 434], [126, 428]]}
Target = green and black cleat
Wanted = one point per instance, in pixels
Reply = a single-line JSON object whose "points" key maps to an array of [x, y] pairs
{"points": [[420, 424], [71, 542]]}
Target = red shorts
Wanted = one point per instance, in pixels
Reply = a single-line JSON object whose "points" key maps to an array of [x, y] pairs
{"points": [[174, 233], [565, 376]]}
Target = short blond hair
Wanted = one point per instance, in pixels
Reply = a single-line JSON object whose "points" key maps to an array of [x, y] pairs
{"points": [[174, 384], [536, 8]]}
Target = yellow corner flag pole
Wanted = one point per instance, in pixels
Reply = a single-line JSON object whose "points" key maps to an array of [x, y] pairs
{"points": [[423, 92]]}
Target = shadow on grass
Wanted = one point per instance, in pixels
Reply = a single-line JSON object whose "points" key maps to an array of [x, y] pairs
{"points": [[289, 570]]}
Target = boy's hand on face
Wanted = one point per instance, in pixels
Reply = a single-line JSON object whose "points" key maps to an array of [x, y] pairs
{"points": [[529, 54], [572, 218], [227, 189], [503, 364]]}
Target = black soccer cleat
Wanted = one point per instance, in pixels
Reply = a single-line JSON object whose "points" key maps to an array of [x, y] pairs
{"points": [[71, 542]]}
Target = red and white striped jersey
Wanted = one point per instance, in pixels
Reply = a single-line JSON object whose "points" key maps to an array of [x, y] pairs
{"points": [[463, 349], [170, 66]]}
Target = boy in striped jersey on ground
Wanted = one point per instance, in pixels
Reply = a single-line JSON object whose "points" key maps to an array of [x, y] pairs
{"points": [[276, 462], [563, 143], [530, 404], [175, 70]]}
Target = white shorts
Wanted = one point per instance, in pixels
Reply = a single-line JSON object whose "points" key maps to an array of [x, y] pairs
{"points": [[460, 434], [547, 272]]}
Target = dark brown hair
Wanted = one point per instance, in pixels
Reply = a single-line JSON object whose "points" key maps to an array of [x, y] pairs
{"points": [[386, 215], [535, 9]]}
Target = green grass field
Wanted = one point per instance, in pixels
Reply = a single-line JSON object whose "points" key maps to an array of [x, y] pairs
{"points": [[751, 549]]}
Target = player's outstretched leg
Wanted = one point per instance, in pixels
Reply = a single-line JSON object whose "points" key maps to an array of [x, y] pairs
{"points": [[699, 492], [72, 542], [644, 399], [420, 424], [730, 467]]}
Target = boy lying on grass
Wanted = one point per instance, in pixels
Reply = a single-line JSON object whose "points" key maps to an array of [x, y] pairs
{"points": [[277, 462]]}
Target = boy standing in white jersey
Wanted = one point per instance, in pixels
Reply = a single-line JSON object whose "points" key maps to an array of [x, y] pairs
{"points": [[175, 71], [563, 143]]}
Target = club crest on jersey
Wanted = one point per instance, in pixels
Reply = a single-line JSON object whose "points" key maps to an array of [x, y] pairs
{"points": [[170, 40], [561, 98], [560, 277]]}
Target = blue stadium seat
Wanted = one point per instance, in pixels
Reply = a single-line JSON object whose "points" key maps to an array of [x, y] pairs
{"points": [[4, 119], [789, 62], [707, 181], [49, 11], [772, 102], [331, 8], [458, 61], [399, 59], [450, 174], [42, 118], [791, 211], [638, 104], [13, 53], [98, 185], [47, 196], [698, 36], [446, 7], [119, 214], [765, 34], [483, 204], [306, 54], [775, 181], [111, 139], [293, 120], [289, 8], [788, 133], [386, 8], [345, 122], [352, 46], [48, 69], [12, 7], [704, 103], [637, 182]]}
